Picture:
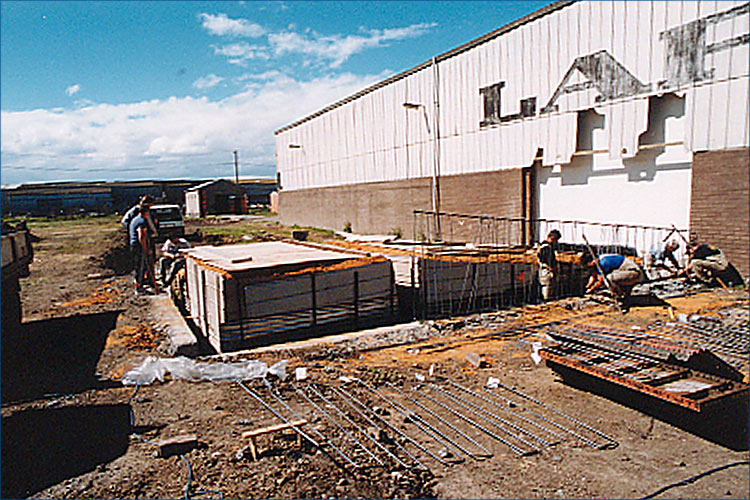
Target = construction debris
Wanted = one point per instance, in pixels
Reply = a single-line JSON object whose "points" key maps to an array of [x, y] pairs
{"points": [[176, 445]]}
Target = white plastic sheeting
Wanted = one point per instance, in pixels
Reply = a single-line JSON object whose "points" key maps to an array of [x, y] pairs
{"points": [[609, 56], [153, 368]]}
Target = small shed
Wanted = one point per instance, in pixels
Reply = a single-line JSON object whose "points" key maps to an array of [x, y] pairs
{"points": [[247, 295], [215, 198]]}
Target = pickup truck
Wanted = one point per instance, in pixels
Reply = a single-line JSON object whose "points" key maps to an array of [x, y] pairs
{"points": [[168, 220]]}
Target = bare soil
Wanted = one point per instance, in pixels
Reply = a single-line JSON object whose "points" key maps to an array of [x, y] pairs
{"points": [[71, 430]]}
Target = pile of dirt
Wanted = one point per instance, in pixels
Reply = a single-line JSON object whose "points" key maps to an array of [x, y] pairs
{"points": [[115, 256]]}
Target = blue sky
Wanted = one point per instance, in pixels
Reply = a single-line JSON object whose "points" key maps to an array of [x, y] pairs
{"points": [[164, 90]]}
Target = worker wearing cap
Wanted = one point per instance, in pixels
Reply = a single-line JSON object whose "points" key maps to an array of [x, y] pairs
{"points": [[548, 267], [622, 273]]}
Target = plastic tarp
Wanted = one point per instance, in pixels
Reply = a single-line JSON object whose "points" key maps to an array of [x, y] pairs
{"points": [[153, 368]]}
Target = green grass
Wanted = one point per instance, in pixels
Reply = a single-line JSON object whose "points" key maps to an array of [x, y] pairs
{"points": [[66, 221]]}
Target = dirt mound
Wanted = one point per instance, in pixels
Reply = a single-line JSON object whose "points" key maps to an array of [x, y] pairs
{"points": [[116, 256]]}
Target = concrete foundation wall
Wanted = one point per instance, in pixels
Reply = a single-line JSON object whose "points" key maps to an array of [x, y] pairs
{"points": [[383, 207], [719, 203]]}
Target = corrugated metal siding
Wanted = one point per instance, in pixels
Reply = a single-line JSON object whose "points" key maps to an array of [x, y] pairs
{"points": [[620, 51]]}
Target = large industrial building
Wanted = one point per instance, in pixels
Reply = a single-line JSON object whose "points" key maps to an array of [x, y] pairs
{"points": [[618, 112]]}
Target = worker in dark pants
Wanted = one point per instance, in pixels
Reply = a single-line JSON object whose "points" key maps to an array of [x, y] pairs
{"points": [[548, 267], [141, 250]]}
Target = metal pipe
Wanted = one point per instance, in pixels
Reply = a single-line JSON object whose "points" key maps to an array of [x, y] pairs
{"points": [[397, 431], [550, 221], [423, 425], [312, 427], [478, 411], [479, 396], [339, 426], [488, 453], [372, 422], [514, 448], [585, 426]]}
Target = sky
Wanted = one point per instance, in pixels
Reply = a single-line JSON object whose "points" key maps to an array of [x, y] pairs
{"points": [[104, 91]]}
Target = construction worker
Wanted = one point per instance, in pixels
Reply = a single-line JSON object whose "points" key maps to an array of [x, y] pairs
{"points": [[707, 263], [141, 250], [548, 267], [171, 259], [146, 200], [657, 257], [622, 273]]}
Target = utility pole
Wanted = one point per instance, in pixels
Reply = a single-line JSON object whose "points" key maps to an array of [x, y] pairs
{"points": [[236, 171]]}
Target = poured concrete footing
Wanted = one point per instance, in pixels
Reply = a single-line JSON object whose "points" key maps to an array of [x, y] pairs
{"points": [[181, 340]]}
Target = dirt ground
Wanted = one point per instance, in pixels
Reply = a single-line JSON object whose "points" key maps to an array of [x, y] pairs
{"points": [[70, 429]]}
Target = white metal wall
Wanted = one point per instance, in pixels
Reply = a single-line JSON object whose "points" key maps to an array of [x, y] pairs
{"points": [[653, 188], [623, 51]]}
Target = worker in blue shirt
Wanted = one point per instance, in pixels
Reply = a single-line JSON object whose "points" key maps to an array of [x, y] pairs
{"points": [[622, 273]]}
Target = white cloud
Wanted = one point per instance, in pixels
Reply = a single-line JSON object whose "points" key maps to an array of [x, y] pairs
{"points": [[265, 76], [208, 81], [222, 25], [172, 138], [72, 89], [338, 48], [332, 48], [240, 53]]}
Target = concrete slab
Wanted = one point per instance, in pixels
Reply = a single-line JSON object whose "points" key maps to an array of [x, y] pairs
{"points": [[182, 341]]}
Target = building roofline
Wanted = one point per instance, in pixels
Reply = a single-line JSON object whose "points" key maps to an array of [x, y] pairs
{"points": [[442, 57]]}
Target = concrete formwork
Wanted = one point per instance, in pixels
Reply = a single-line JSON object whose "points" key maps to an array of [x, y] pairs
{"points": [[247, 295]]}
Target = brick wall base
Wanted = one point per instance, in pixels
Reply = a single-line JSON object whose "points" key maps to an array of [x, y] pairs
{"points": [[384, 207], [719, 203]]}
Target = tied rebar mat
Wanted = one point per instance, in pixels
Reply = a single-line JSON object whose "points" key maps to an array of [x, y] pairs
{"points": [[476, 263]]}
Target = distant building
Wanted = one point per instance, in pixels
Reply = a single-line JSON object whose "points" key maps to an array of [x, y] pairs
{"points": [[258, 191], [215, 198], [57, 198]]}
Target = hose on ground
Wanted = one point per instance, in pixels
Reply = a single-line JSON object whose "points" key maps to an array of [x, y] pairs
{"points": [[188, 494]]}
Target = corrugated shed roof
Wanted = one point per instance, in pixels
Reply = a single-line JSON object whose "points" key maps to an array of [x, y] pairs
{"points": [[446, 55]]}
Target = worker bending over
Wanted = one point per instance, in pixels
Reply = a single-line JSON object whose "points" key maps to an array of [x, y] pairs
{"points": [[622, 273], [659, 256], [707, 263]]}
